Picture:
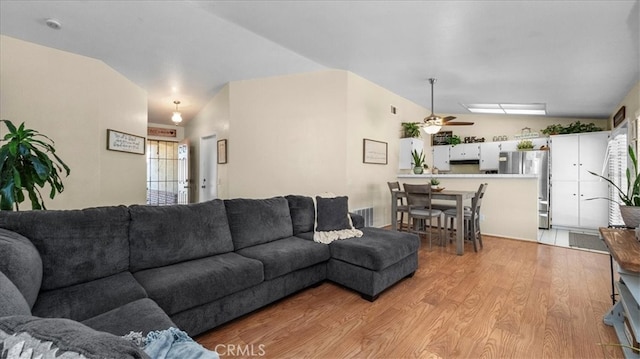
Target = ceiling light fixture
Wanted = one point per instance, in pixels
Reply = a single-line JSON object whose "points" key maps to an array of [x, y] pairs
{"points": [[539, 109], [177, 116], [53, 23]]}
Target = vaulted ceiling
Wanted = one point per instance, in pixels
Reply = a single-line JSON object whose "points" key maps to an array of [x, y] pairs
{"points": [[579, 57]]}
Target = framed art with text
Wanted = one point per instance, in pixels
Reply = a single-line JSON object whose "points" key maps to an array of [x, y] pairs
{"points": [[125, 142]]}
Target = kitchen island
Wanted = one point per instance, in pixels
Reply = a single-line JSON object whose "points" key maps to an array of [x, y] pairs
{"points": [[509, 207]]}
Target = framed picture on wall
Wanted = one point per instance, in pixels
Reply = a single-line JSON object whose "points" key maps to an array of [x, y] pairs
{"points": [[222, 151], [619, 117], [374, 152], [125, 142]]}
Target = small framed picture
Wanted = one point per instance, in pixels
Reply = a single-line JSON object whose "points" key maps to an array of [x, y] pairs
{"points": [[222, 151], [374, 152], [619, 117]]}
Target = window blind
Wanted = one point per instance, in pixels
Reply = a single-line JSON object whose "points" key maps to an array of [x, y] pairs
{"points": [[617, 166]]}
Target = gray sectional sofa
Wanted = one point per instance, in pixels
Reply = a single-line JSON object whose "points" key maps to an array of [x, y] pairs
{"points": [[142, 268]]}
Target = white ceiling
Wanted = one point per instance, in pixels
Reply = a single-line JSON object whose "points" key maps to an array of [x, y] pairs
{"points": [[579, 57]]}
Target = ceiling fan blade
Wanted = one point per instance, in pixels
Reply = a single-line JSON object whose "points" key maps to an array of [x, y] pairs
{"points": [[449, 118], [457, 124]]}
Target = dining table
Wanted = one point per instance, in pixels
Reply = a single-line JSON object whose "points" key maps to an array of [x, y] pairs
{"points": [[449, 195]]}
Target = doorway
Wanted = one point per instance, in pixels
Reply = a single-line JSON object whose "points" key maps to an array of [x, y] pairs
{"points": [[162, 173], [208, 188]]}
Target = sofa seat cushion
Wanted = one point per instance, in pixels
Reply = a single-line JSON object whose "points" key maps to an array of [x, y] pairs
{"points": [[21, 263], [76, 246], [164, 235], [287, 255], [143, 315], [86, 300], [188, 284], [258, 221], [377, 249]]}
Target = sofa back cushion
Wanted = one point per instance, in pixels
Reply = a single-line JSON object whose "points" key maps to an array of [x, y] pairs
{"points": [[21, 263], [76, 246], [170, 234], [257, 221], [303, 213]]}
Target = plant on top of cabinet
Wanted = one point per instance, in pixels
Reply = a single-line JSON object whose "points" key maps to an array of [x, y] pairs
{"points": [[525, 145], [630, 211], [454, 140], [410, 130], [574, 127], [418, 162]]}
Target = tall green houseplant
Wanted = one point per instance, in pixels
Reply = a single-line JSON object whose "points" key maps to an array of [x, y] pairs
{"points": [[25, 165]]}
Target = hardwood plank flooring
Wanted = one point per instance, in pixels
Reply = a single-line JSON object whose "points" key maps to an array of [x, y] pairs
{"points": [[513, 299]]}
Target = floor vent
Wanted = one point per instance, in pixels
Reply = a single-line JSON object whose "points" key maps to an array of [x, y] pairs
{"points": [[367, 214]]}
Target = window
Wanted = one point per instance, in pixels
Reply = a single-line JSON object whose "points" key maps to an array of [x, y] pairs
{"points": [[162, 173]]}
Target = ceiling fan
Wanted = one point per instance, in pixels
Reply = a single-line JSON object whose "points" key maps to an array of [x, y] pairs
{"points": [[432, 123]]}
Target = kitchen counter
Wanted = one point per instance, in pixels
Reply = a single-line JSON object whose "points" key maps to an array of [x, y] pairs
{"points": [[509, 207], [466, 175]]}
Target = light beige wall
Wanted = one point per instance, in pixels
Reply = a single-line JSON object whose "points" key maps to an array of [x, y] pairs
{"points": [[288, 135], [369, 116], [632, 107], [213, 119], [74, 100]]}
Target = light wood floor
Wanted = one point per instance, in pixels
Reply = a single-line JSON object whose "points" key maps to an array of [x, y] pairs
{"points": [[514, 299]]}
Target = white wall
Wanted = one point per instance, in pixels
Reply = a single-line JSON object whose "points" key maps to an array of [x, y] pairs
{"points": [[74, 100]]}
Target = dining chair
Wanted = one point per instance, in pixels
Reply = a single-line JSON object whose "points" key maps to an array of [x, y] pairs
{"points": [[420, 210], [471, 219], [401, 207]]}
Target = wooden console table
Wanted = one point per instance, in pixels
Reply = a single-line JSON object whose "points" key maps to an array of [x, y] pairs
{"points": [[624, 249]]}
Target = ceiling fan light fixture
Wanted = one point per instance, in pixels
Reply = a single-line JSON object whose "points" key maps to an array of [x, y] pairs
{"points": [[176, 118], [431, 129]]}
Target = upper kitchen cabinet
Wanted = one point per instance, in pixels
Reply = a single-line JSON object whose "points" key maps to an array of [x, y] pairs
{"points": [[407, 145], [441, 158], [573, 156], [489, 154], [464, 152]]}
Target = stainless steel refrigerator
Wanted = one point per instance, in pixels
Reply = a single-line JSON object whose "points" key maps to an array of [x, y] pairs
{"points": [[530, 162]]}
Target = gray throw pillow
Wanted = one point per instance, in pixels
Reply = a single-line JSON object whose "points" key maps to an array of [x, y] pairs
{"points": [[333, 213], [21, 263], [12, 302]]}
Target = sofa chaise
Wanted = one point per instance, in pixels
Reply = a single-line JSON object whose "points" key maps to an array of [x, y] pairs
{"points": [[142, 268]]}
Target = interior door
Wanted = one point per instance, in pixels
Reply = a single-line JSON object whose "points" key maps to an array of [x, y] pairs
{"points": [[208, 168], [183, 172]]}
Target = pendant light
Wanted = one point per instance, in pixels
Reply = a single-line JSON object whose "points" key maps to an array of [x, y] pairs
{"points": [[177, 116]]}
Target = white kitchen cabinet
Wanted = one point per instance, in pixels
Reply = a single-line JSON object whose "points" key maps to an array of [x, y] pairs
{"points": [[508, 145], [407, 145], [573, 188], [489, 154], [464, 152], [441, 158]]}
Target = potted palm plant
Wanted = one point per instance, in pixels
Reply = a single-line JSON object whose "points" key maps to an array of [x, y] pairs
{"points": [[410, 130], [630, 210], [25, 165], [418, 162]]}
